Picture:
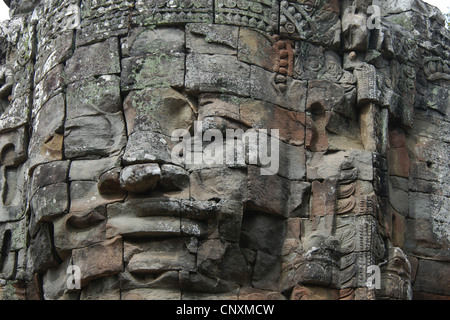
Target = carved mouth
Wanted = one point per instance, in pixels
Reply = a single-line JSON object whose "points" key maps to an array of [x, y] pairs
{"points": [[164, 279], [161, 218]]}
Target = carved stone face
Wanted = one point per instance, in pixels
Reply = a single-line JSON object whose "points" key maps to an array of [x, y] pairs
{"points": [[204, 149], [159, 225], [185, 223]]}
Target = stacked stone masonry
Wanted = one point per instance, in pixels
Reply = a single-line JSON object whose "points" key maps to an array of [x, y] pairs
{"points": [[91, 91]]}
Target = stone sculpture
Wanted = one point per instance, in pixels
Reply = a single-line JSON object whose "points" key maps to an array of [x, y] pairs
{"points": [[95, 206]]}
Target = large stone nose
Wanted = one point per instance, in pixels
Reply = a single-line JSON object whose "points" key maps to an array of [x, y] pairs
{"points": [[143, 178]]}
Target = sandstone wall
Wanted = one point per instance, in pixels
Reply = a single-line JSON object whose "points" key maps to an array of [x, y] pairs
{"points": [[88, 107]]}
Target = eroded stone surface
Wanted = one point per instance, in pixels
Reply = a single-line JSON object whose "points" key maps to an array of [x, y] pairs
{"points": [[352, 119]]}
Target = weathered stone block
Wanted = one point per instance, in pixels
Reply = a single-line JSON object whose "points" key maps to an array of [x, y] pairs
{"points": [[51, 85], [311, 292], [158, 256], [145, 147], [342, 133], [212, 39], [398, 195], [421, 239], [217, 73], [209, 257], [258, 294], [102, 20], [165, 280], [263, 115], [259, 49], [264, 232], [309, 60], [330, 96], [289, 94], [94, 122], [144, 208], [292, 161], [93, 95], [85, 197], [99, 260], [195, 282], [157, 70], [230, 220], [349, 181], [435, 284], [50, 201], [191, 228], [266, 272], [106, 288], [54, 281], [315, 22], [367, 84], [140, 178], [324, 198], [93, 60], [68, 235], [354, 29], [143, 226], [92, 169], [152, 294], [177, 12], [271, 194], [174, 177], [234, 267], [219, 106], [368, 131], [398, 229], [219, 183], [162, 110], [109, 182], [46, 143], [322, 166], [49, 173], [52, 53], [16, 114], [298, 205], [9, 263]]}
